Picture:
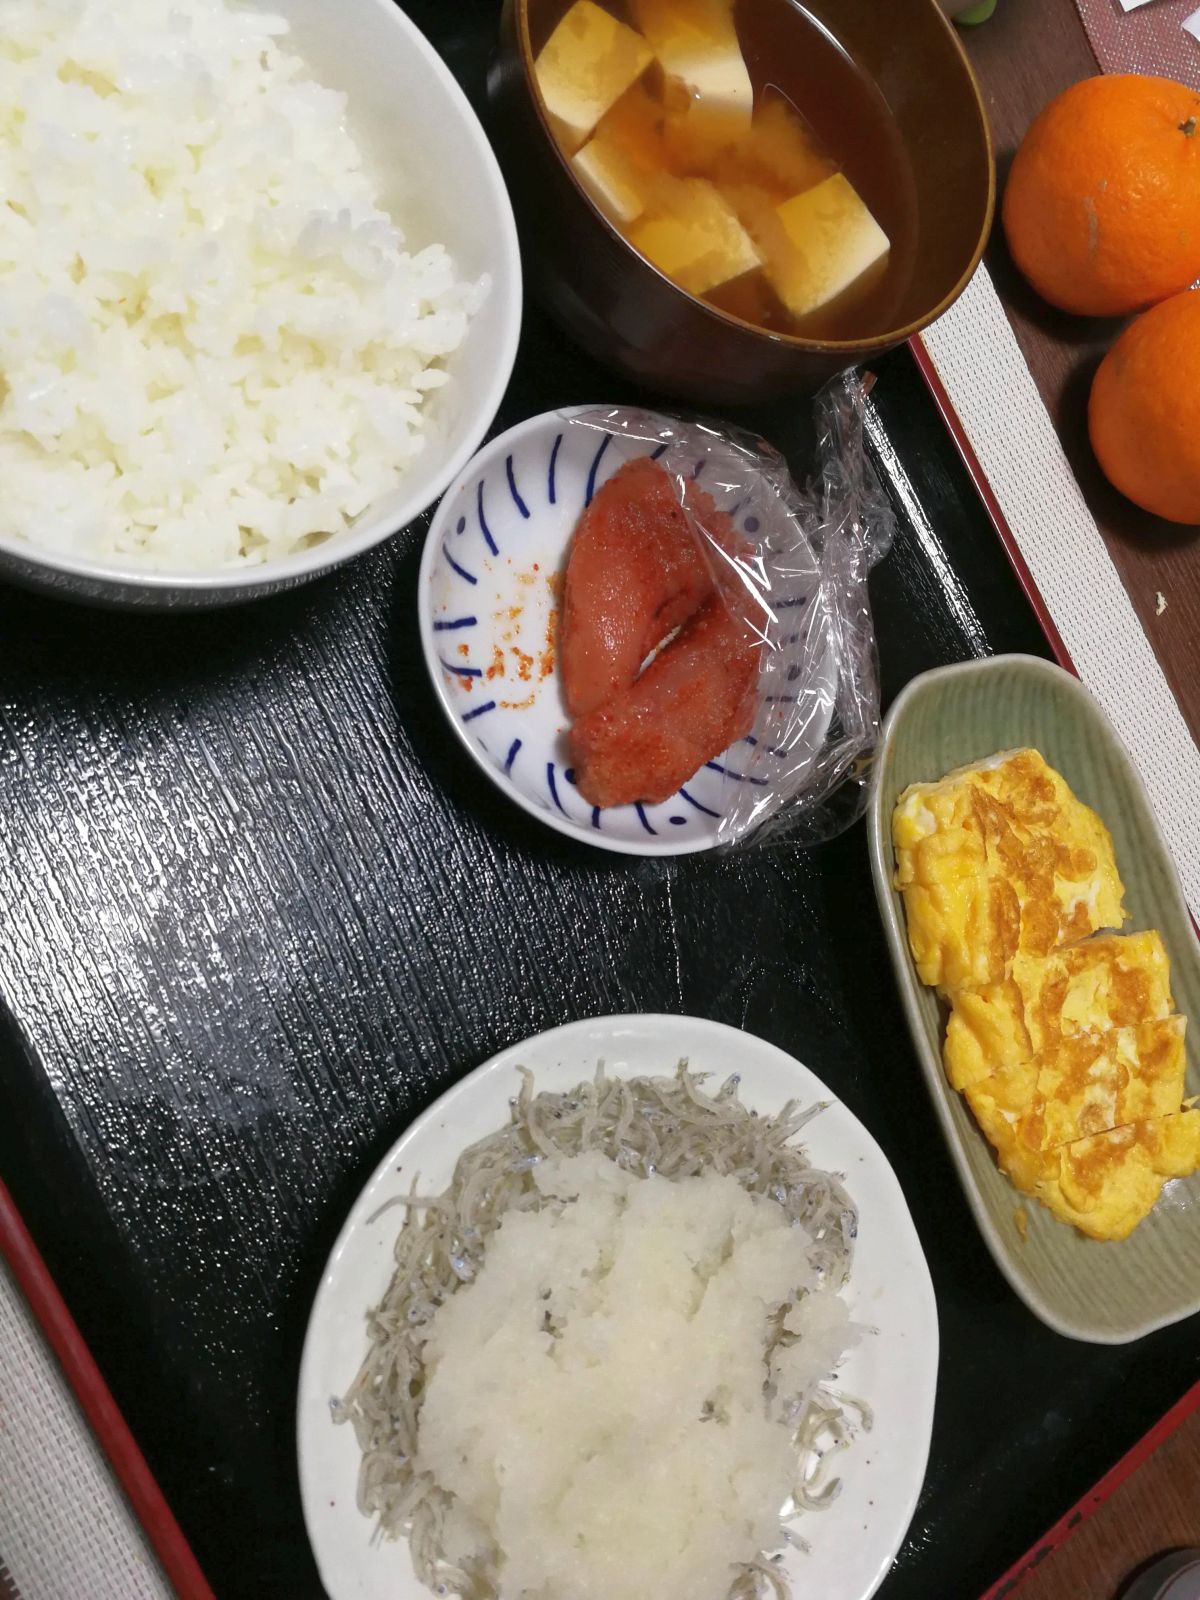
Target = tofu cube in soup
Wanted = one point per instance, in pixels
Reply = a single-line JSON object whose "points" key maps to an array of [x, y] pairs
{"points": [[695, 237], [613, 179], [586, 65], [831, 242], [695, 41]]}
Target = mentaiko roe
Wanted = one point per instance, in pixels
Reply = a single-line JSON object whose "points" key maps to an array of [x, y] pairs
{"points": [[638, 571]]}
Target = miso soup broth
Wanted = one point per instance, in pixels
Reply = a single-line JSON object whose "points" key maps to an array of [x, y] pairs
{"points": [[741, 150]]}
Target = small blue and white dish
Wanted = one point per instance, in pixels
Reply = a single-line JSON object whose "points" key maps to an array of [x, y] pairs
{"points": [[491, 575]]}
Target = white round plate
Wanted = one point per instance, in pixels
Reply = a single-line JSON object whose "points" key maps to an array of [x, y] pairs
{"points": [[894, 1368], [493, 563]]}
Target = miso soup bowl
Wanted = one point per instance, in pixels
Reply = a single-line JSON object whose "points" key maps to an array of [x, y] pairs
{"points": [[628, 314]]}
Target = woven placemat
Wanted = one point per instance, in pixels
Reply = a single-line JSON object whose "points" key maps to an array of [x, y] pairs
{"points": [[66, 1530], [986, 379], [1149, 39]]}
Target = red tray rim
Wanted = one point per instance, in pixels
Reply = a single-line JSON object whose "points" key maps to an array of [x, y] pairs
{"points": [[95, 1400], [1091, 1502]]}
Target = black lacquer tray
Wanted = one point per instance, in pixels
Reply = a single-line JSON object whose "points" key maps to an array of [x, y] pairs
{"points": [[257, 909]]}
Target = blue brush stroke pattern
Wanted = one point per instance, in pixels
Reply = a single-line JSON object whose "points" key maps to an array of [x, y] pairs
{"points": [[599, 457], [514, 491], [554, 787], [738, 777], [692, 801], [462, 571], [483, 527]]}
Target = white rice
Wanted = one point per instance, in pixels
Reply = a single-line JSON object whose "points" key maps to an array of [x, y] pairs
{"points": [[607, 1406], [214, 347]]}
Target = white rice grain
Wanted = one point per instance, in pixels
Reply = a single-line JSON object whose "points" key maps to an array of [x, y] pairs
{"points": [[214, 346]]}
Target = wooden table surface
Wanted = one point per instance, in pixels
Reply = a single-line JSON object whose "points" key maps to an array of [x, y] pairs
{"points": [[1155, 1509], [1027, 53]]}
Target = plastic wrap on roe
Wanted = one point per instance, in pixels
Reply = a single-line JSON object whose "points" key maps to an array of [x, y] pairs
{"points": [[637, 573], [694, 700]]}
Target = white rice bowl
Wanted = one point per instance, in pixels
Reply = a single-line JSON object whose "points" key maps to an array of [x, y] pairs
{"points": [[215, 349]]}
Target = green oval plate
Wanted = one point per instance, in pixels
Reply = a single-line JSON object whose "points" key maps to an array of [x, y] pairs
{"points": [[1104, 1292]]}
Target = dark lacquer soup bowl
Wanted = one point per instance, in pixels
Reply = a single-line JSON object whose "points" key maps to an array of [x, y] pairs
{"points": [[933, 172]]}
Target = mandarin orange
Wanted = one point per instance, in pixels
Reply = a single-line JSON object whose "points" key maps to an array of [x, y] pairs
{"points": [[1142, 414], [1102, 206]]}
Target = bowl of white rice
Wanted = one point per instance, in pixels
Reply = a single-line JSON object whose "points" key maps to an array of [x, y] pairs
{"points": [[260, 292]]}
